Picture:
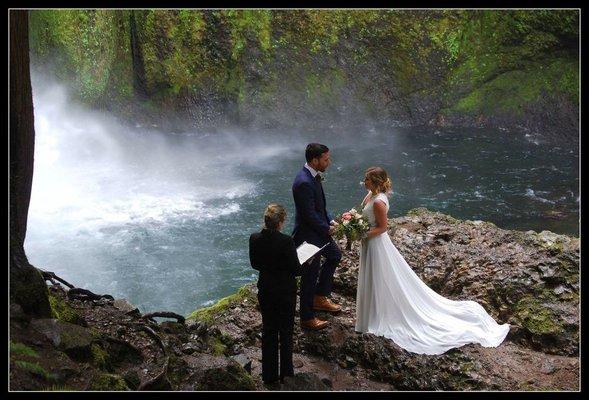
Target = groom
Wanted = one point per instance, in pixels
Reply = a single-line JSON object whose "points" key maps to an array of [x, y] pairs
{"points": [[314, 225]]}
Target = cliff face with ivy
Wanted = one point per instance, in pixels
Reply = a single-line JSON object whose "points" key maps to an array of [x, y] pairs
{"points": [[516, 69]]}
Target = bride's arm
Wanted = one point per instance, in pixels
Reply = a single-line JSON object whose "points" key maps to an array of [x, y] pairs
{"points": [[380, 215]]}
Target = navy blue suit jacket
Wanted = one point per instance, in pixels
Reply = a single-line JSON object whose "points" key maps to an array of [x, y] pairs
{"points": [[311, 215]]}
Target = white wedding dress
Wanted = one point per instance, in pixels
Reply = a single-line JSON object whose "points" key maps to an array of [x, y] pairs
{"points": [[392, 301]]}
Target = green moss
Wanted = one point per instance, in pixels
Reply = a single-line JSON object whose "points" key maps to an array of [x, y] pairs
{"points": [[100, 357], [536, 318], [417, 211], [35, 369], [95, 332], [217, 345], [220, 345], [29, 290], [21, 349], [178, 371], [208, 314], [512, 90], [466, 366], [84, 42], [59, 388], [108, 382], [477, 62], [63, 312], [572, 296], [554, 247], [509, 59], [573, 279], [453, 221], [234, 377], [256, 23]]}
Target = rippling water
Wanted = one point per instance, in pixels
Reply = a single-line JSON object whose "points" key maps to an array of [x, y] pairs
{"points": [[163, 219]]}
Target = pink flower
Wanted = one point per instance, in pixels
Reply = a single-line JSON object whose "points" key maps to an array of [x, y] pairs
{"points": [[346, 216]]}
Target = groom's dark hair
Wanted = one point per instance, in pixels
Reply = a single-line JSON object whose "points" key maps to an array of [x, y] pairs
{"points": [[314, 150]]}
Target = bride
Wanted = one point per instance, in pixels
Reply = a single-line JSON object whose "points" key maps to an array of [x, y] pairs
{"points": [[392, 301]]}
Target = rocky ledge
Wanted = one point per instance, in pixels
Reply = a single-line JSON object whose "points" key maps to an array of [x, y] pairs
{"points": [[528, 279]]}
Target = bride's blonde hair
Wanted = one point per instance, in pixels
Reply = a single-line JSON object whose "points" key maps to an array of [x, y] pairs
{"points": [[380, 179]]}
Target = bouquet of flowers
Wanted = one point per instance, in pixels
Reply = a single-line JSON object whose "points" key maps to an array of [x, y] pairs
{"points": [[352, 226]]}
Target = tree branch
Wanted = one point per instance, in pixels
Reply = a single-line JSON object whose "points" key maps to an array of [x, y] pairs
{"points": [[50, 276]]}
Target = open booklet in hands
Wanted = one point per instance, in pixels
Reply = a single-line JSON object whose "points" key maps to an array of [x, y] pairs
{"points": [[306, 250]]}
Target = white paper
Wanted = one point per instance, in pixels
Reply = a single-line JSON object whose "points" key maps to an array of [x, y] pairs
{"points": [[306, 251]]}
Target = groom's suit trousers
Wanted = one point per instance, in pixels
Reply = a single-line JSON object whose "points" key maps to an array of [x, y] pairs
{"points": [[317, 279]]}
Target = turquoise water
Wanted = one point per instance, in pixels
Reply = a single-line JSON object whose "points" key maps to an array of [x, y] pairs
{"points": [[163, 219]]}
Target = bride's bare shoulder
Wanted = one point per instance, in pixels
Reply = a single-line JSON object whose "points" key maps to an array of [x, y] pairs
{"points": [[383, 198]]}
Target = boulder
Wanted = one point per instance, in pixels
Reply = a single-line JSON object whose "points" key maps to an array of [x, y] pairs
{"points": [[231, 377], [74, 340], [126, 307], [244, 361], [304, 381]]}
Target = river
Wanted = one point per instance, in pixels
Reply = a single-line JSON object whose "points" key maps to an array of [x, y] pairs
{"points": [[163, 219]]}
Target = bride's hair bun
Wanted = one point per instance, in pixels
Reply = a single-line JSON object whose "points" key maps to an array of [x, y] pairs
{"points": [[379, 177]]}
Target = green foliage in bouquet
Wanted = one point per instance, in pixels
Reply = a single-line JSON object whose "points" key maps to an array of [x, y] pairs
{"points": [[352, 226]]}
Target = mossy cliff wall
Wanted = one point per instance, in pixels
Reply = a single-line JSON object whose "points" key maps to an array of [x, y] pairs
{"points": [[511, 68]]}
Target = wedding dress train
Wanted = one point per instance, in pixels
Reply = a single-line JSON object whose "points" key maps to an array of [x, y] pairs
{"points": [[392, 301]]}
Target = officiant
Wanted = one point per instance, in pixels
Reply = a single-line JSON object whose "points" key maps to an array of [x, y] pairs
{"points": [[274, 255]]}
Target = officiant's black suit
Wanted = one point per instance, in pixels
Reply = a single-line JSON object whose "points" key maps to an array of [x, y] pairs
{"points": [[274, 255]]}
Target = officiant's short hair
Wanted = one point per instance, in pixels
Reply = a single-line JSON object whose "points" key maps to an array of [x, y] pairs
{"points": [[273, 216], [314, 150]]}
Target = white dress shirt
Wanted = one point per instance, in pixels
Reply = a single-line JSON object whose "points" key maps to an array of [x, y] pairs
{"points": [[312, 170]]}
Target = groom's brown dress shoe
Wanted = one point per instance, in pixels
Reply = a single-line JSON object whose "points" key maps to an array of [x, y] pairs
{"points": [[314, 324], [322, 303]]}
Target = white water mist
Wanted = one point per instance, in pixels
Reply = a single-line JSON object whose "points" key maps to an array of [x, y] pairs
{"points": [[101, 188]]}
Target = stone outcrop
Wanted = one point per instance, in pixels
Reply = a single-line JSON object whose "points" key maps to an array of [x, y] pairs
{"points": [[527, 279], [74, 340]]}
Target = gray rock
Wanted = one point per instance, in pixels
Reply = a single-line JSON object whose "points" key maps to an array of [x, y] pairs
{"points": [[350, 362], [126, 307], [65, 373], [244, 361], [74, 340], [189, 348], [305, 381], [132, 379], [173, 327], [231, 376], [548, 367], [17, 313]]}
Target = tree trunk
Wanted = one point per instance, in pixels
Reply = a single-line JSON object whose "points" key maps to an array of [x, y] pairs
{"points": [[139, 83], [27, 286]]}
